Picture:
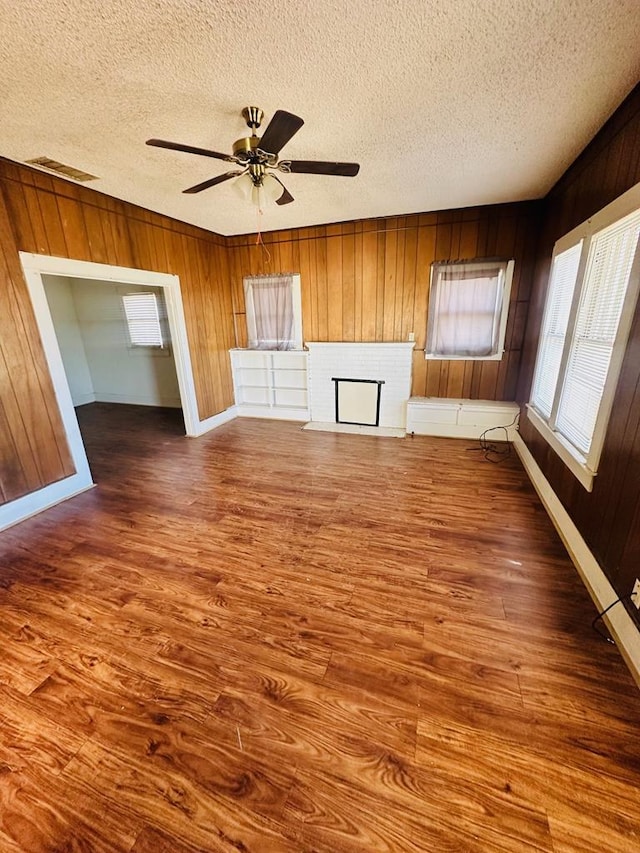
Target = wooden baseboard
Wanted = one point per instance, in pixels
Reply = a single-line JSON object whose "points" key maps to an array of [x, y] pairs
{"points": [[215, 421], [133, 400], [622, 627], [23, 508], [279, 413]]}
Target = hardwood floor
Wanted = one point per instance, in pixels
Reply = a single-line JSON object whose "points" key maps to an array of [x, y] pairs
{"points": [[269, 639]]}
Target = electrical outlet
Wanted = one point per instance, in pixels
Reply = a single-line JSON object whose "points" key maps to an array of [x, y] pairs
{"points": [[635, 594]]}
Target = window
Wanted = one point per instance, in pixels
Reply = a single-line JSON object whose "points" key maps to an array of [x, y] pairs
{"points": [[274, 312], [143, 319], [468, 307], [593, 288]]}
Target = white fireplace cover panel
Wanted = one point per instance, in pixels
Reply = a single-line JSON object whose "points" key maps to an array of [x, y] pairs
{"points": [[357, 402]]}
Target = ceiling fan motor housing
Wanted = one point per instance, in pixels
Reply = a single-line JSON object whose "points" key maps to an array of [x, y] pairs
{"points": [[244, 148]]}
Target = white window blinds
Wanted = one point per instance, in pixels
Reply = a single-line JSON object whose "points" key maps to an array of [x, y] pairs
{"points": [[143, 319], [611, 255], [591, 299], [554, 328]]}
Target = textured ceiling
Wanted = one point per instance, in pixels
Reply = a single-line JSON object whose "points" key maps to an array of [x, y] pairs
{"points": [[444, 103]]}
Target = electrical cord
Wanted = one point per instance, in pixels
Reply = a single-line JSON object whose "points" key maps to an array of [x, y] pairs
{"points": [[491, 452], [594, 624]]}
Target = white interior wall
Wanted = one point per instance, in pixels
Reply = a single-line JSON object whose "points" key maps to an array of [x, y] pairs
{"points": [[121, 373], [99, 362], [65, 320]]}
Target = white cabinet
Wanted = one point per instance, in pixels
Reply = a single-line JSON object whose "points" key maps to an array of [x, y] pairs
{"points": [[270, 383], [460, 418]]}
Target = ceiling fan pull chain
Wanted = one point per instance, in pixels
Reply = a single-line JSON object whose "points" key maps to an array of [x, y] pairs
{"points": [[259, 240]]}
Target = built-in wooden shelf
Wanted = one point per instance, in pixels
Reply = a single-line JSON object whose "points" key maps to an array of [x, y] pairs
{"points": [[270, 383]]}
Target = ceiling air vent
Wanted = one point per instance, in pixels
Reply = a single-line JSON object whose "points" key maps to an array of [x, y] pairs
{"points": [[61, 169]]}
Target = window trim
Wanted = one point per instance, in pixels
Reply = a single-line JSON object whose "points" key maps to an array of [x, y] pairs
{"points": [[571, 457], [507, 267], [585, 468]]}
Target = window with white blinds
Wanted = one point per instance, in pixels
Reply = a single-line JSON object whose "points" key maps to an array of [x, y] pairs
{"points": [[554, 328], [143, 319], [592, 293]]}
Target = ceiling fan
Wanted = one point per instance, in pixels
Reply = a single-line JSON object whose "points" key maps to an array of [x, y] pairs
{"points": [[258, 157]]}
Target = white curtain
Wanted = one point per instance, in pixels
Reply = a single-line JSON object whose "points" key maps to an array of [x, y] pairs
{"points": [[269, 304], [465, 310]]}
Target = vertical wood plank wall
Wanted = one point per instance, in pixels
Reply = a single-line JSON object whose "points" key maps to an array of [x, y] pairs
{"points": [[33, 445], [50, 216], [369, 281], [609, 516]]}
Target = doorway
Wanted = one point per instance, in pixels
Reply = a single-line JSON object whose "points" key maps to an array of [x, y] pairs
{"points": [[37, 266]]}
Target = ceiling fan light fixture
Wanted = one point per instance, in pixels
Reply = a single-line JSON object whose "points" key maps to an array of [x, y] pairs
{"points": [[266, 193], [271, 188], [261, 192], [257, 198], [243, 186]]}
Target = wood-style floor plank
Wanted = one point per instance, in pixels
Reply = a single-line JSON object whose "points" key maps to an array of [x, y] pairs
{"points": [[271, 640]]}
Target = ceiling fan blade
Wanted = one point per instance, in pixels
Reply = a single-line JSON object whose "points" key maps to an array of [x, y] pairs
{"points": [[189, 149], [286, 197], [320, 167], [213, 181], [281, 128]]}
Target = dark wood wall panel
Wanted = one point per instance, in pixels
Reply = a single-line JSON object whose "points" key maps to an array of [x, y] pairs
{"points": [[369, 281], [33, 446], [50, 216], [609, 516]]}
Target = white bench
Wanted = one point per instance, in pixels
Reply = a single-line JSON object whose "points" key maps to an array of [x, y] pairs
{"points": [[460, 418]]}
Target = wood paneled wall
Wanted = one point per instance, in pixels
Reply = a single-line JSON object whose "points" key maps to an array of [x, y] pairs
{"points": [[609, 516], [33, 445], [51, 216], [369, 281]]}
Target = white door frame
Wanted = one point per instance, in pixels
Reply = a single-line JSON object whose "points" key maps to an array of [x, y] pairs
{"points": [[35, 266]]}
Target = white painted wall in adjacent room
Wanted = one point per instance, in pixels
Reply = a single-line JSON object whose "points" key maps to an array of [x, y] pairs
{"points": [[97, 347], [65, 320], [121, 373]]}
